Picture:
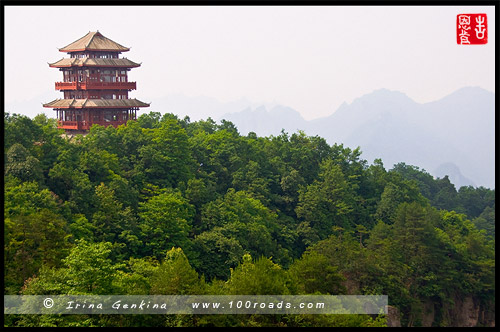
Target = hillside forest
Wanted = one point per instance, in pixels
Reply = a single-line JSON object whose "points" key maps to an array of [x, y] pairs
{"points": [[169, 206]]}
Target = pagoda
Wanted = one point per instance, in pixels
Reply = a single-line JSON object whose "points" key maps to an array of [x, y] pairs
{"points": [[95, 85]]}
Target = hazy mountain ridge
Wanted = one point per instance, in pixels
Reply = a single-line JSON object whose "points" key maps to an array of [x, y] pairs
{"points": [[456, 130]]}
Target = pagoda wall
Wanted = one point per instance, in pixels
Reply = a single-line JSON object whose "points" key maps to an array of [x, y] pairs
{"points": [[83, 119]]}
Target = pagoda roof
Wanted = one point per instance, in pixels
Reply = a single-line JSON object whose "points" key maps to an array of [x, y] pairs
{"points": [[95, 103], [94, 41], [94, 62]]}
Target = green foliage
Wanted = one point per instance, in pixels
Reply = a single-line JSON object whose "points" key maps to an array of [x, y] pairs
{"points": [[176, 276], [113, 223], [446, 196], [326, 202], [258, 277], [32, 240], [167, 160], [21, 130], [137, 276], [86, 270], [161, 204], [486, 221], [216, 253], [165, 222], [314, 274], [22, 165]]}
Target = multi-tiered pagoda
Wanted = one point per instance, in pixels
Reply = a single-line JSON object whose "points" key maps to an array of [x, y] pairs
{"points": [[95, 85]]}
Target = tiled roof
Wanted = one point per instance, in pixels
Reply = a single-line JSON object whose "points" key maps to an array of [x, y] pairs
{"points": [[94, 41], [94, 62], [95, 103]]}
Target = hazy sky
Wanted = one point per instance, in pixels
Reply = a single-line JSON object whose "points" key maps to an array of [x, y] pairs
{"points": [[309, 58]]}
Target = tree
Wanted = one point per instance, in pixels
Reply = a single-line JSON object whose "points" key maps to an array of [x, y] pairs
{"points": [[50, 143], [21, 164], [20, 129], [199, 192], [396, 192], [165, 222], [426, 183], [259, 277], [239, 216], [218, 155], [113, 223], [149, 120], [217, 253], [86, 270], [90, 269], [167, 160], [291, 184], [137, 276], [249, 178], [175, 276], [29, 211], [446, 196], [99, 165], [473, 201], [486, 221], [32, 240], [326, 202], [314, 274], [237, 206]]}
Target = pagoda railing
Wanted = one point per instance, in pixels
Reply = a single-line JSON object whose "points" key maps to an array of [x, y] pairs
{"points": [[68, 124], [107, 123], [85, 125], [96, 85]]}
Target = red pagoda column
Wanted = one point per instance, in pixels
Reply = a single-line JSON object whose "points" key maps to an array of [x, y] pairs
{"points": [[95, 85]]}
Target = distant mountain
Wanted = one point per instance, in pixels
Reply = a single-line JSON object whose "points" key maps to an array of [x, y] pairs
{"points": [[454, 134], [266, 123], [453, 173], [200, 107]]}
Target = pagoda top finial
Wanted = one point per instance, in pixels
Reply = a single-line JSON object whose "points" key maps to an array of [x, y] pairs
{"points": [[94, 41]]}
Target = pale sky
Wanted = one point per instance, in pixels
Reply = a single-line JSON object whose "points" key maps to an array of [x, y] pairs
{"points": [[311, 59]]}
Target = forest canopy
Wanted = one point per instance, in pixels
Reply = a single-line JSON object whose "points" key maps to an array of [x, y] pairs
{"points": [[164, 205]]}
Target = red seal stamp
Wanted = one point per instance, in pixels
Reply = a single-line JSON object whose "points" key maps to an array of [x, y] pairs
{"points": [[472, 29]]}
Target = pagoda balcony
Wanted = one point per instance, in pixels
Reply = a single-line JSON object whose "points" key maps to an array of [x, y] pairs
{"points": [[85, 125], [68, 125], [96, 86]]}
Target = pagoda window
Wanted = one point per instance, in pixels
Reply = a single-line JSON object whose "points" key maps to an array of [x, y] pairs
{"points": [[107, 116]]}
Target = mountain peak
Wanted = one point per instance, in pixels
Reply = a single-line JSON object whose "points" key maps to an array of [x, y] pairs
{"points": [[385, 94], [470, 92]]}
